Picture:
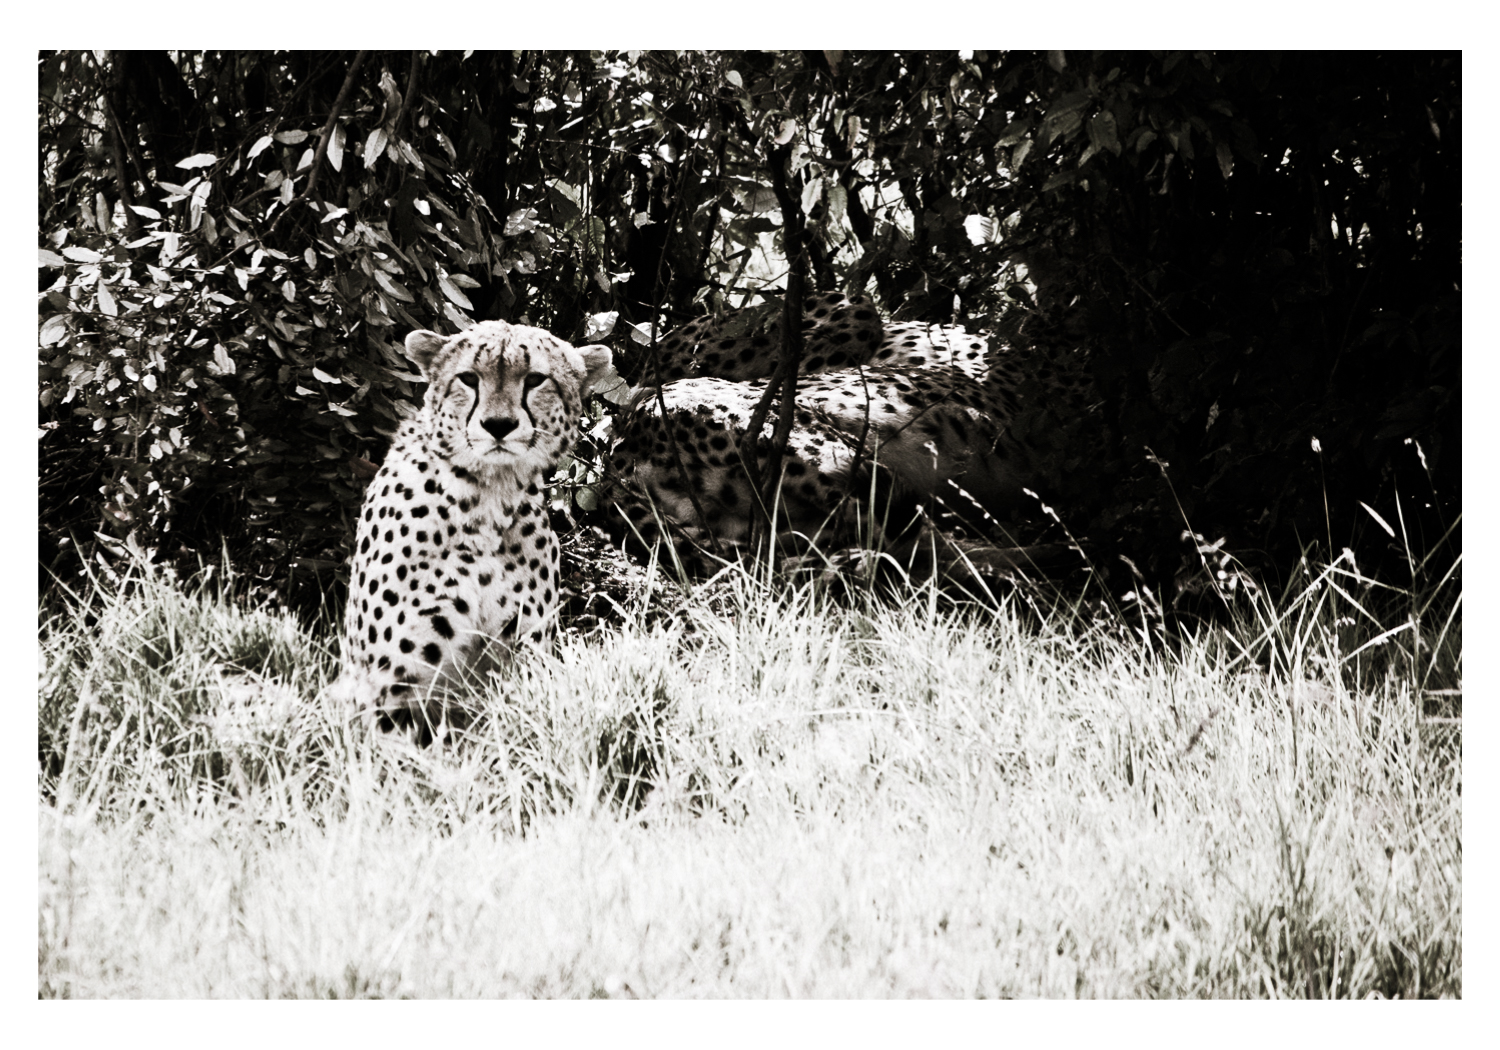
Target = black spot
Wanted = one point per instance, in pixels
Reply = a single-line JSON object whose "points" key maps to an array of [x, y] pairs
{"points": [[401, 572], [419, 511], [390, 597], [431, 653], [460, 606], [384, 663], [484, 579], [431, 486], [407, 645], [441, 625]]}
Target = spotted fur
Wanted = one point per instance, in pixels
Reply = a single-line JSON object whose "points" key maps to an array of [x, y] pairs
{"points": [[915, 413], [454, 551]]}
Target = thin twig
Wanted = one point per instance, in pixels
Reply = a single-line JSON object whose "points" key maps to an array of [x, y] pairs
{"points": [[323, 139]]}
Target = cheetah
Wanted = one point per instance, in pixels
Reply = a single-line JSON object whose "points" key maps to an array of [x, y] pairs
{"points": [[454, 548], [916, 414]]}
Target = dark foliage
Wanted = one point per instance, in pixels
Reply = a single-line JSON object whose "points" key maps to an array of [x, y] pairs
{"points": [[1249, 251]]}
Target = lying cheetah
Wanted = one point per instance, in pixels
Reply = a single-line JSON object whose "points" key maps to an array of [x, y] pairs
{"points": [[917, 414], [454, 547]]}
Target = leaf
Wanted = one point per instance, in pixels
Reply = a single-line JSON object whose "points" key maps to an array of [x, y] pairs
{"points": [[260, 145], [522, 220], [982, 229], [374, 147], [1063, 126], [458, 319], [336, 148], [1058, 60], [1103, 134], [452, 292], [107, 302], [81, 255], [389, 89], [788, 129], [1061, 179], [1226, 159], [222, 362], [810, 194], [734, 78], [324, 377], [149, 213], [46, 258], [291, 138], [598, 326], [1018, 157], [54, 330], [394, 290], [197, 160], [195, 206], [838, 205]]}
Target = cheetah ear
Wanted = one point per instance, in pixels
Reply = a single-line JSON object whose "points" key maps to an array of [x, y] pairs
{"points": [[599, 369], [422, 347]]}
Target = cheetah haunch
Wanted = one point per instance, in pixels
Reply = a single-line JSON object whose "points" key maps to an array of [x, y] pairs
{"points": [[454, 550]]}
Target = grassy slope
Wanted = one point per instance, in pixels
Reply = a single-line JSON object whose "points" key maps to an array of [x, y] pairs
{"points": [[888, 801]]}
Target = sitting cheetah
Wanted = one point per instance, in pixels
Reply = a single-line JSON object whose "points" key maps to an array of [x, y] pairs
{"points": [[454, 547], [916, 414]]}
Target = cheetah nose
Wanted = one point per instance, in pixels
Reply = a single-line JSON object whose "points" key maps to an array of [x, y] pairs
{"points": [[499, 427]]}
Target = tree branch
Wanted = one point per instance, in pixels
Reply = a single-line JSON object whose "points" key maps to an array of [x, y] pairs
{"points": [[784, 382], [324, 137]]}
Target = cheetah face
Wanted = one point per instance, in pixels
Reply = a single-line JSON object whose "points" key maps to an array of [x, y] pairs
{"points": [[504, 398]]}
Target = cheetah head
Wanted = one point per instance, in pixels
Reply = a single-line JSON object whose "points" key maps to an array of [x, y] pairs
{"points": [[503, 397]]}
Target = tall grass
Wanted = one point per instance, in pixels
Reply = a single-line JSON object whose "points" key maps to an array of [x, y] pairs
{"points": [[765, 793]]}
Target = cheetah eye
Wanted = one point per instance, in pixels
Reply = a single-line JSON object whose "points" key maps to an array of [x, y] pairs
{"points": [[469, 379], [533, 380]]}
